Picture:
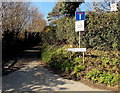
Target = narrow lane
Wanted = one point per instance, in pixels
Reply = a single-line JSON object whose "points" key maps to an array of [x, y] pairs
{"points": [[32, 76]]}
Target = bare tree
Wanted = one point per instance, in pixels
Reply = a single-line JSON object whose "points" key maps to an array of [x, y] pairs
{"points": [[36, 23], [18, 16]]}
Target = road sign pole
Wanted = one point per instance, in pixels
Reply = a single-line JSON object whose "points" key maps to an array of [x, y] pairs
{"points": [[79, 39], [79, 42], [83, 57], [79, 26]]}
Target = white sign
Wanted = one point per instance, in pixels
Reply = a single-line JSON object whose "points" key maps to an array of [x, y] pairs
{"points": [[79, 25], [114, 7], [77, 49]]}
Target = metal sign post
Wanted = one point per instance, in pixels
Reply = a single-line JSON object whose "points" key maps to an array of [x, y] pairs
{"points": [[79, 42], [79, 26], [79, 39], [83, 57]]}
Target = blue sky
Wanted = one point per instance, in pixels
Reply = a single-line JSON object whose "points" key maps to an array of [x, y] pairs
{"points": [[46, 7]]}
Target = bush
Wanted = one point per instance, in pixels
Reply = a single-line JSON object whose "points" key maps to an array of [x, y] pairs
{"points": [[103, 77], [79, 68], [59, 58], [104, 65]]}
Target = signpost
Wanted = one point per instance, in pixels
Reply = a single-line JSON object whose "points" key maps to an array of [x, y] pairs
{"points": [[79, 26]]}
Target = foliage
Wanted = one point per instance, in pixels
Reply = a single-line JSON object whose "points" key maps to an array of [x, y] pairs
{"points": [[93, 74], [63, 9], [103, 31], [106, 64], [106, 67], [47, 52], [58, 58], [49, 35], [69, 8], [101, 28], [79, 68], [77, 60], [103, 77], [30, 19], [65, 30]]}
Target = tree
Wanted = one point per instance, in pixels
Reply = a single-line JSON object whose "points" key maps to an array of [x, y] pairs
{"points": [[15, 16], [104, 6], [36, 23], [60, 17], [21, 23], [63, 9], [18, 16]]}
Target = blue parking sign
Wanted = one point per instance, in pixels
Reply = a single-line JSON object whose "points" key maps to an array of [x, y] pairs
{"points": [[80, 15]]}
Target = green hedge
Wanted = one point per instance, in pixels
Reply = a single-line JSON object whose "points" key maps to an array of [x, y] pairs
{"points": [[102, 31]]}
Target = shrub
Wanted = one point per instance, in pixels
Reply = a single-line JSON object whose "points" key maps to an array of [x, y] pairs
{"points": [[104, 65], [103, 77], [79, 68], [92, 75], [77, 60]]}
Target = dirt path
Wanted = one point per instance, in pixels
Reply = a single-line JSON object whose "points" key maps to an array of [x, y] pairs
{"points": [[32, 76]]}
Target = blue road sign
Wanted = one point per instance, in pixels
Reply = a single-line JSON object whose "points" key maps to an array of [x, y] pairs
{"points": [[80, 15]]}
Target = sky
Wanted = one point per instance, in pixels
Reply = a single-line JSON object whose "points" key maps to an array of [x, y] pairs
{"points": [[46, 7]]}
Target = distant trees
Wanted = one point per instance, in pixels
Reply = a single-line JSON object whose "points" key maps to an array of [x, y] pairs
{"points": [[105, 5], [18, 17], [101, 6], [20, 23]]}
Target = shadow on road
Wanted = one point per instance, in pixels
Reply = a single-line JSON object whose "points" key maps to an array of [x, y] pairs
{"points": [[27, 73], [15, 63], [31, 78]]}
